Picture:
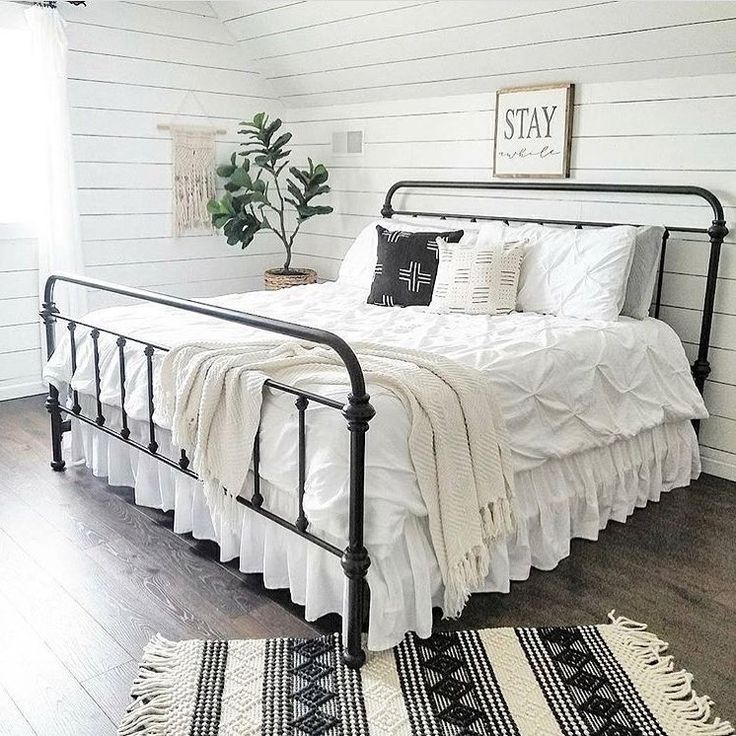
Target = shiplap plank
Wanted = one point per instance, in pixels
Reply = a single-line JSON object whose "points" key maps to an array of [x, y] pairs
{"points": [[229, 10], [189, 290], [162, 75], [20, 364], [686, 322], [20, 337], [114, 96], [308, 15], [722, 364], [18, 254], [721, 399], [109, 149], [123, 201], [126, 176], [192, 7], [16, 284], [151, 250], [146, 19], [18, 311], [719, 433], [206, 269], [140, 123], [131, 44]]}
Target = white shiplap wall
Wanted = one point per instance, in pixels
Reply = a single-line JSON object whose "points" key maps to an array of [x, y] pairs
{"points": [[323, 52], [677, 130], [130, 68]]}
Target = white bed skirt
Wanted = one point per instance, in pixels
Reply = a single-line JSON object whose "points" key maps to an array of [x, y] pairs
{"points": [[562, 499]]}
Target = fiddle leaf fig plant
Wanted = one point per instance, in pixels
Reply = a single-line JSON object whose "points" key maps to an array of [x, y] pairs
{"points": [[254, 198]]}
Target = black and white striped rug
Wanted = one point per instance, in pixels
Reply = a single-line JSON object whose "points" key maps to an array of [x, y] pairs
{"points": [[609, 680]]}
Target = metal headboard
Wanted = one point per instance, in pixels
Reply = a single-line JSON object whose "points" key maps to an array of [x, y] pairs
{"points": [[716, 232]]}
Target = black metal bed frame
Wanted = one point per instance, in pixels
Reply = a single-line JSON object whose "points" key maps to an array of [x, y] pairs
{"points": [[357, 410]]}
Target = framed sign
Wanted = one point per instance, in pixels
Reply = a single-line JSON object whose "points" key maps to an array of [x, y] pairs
{"points": [[533, 132]]}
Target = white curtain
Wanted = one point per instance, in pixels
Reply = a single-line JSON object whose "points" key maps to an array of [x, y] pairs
{"points": [[59, 239]]}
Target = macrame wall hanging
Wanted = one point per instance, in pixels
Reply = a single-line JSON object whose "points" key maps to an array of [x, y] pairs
{"points": [[193, 171], [193, 177]]}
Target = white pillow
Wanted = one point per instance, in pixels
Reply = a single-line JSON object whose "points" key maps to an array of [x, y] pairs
{"points": [[359, 262], [480, 278], [643, 274], [574, 273]]}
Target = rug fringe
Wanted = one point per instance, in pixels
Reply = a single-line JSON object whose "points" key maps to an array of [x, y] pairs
{"points": [[674, 685], [152, 690]]}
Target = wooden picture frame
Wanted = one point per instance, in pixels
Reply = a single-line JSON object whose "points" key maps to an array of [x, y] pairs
{"points": [[532, 136]]}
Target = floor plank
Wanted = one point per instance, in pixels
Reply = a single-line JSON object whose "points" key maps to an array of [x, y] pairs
{"points": [[111, 690], [118, 573], [52, 701]]}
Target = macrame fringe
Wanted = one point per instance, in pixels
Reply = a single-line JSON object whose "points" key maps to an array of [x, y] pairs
{"points": [[694, 711], [152, 690]]}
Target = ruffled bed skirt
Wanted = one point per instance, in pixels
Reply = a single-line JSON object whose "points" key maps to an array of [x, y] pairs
{"points": [[561, 499]]}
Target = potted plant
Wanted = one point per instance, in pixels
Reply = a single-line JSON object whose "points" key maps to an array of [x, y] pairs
{"points": [[254, 199]]}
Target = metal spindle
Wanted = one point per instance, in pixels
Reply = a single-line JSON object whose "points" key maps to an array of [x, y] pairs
{"points": [[152, 444], [72, 326], [183, 460], [302, 403], [124, 431], [95, 335], [660, 275], [257, 499]]}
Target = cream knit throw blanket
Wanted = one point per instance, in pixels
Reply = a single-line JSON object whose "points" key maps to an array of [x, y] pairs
{"points": [[211, 397]]}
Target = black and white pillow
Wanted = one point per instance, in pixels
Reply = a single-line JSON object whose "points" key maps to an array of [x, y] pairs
{"points": [[406, 267]]}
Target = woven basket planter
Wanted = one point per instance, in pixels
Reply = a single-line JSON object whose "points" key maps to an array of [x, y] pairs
{"points": [[276, 278]]}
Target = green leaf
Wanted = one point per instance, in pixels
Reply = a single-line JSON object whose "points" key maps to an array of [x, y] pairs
{"points": [[281, 141], [225, 170], [258, 120], [219, 220], [241, 178]]}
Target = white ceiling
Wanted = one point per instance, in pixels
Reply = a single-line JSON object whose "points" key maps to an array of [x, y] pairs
{"points": [[343, 51]]}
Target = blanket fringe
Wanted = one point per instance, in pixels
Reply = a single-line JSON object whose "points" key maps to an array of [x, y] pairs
{"points": [[152, 690], [674, 686], [468, 575]]}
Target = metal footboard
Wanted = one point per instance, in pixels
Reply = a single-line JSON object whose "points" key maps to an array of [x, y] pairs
{"points": [[357, 411]]}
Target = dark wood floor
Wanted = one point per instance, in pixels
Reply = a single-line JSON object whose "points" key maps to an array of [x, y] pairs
{"points": [[86, 578]]}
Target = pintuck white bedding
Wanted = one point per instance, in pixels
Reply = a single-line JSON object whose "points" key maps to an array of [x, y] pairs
{"points": [[597, 415]]}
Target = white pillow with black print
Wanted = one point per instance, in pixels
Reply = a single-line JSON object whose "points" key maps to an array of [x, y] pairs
{"points": [[481, 278]]}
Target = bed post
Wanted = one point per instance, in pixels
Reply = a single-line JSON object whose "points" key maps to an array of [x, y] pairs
{"points": [[701, 367], [355, 560], [52, 400]]}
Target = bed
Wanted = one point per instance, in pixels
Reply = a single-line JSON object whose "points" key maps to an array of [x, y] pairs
{"points": [[601, 417]]}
